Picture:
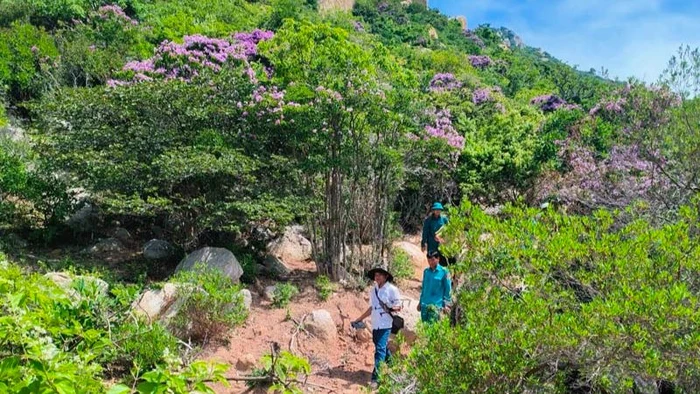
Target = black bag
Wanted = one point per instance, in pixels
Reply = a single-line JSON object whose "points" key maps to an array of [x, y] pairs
{"points": [[397, 322]]}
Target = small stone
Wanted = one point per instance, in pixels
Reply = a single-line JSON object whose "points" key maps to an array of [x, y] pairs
{"points": [[321, 325], [247, 298], [270, 293]]}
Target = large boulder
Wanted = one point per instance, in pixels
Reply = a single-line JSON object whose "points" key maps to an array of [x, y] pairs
{"points": [[218, 259], [321, 325], [418, 258], [291, 246], [155, 304], [84, 219], [276, 267], [411, 318], [157, 249]]}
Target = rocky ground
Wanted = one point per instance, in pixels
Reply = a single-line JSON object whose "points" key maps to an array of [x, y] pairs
{"points": [[341, 357]]}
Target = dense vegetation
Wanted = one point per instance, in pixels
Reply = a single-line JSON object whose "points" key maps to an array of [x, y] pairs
{"points": [[220, 125]]}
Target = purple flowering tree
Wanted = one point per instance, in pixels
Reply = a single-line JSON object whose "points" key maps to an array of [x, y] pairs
{"points": [[551, 102], [480, 61], [197, 53], [444, 82]]}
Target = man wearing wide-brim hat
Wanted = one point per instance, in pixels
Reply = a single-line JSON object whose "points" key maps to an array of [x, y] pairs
{"points": [[385, 292]]}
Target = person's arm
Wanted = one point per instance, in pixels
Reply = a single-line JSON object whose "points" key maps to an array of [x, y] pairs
{"points": [[424, 238], [365, 315]]}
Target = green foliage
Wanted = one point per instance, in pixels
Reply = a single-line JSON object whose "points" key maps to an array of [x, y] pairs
{"points": [[177, 379], [172, 20], [325, 287], [26, 55], [143, 346], [550, 301], [212, 305], [284, 292], [284, 372], [400, 265]]}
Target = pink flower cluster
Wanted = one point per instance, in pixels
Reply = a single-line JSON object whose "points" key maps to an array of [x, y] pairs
{"points": [[442, 128], [185, 61], [615, 106], [442, 82], [481, 96], [480, 61], [113, 10]]}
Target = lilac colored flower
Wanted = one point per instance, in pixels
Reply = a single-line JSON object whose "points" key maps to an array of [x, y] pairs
{"points": [[358, 27], [113, 10], [442, 82], [480, 61], [443, 128], [551, 102], [481, 96], [470, 35]]}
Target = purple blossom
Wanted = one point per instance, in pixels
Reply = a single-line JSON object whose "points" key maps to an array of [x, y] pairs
{"points": [[481, 96], [551, 102], [358, 27], [113, 10], [480, 61], [442, 82], [185, 61], [442, 128], [470, 35]]}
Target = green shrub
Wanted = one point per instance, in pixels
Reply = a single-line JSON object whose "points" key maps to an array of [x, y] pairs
{"points": [[143, 347], [26, 55], [212, 306], [284, 372], [550, 301], [400, 265], [325, 287], [250, 268], [284, 292]]}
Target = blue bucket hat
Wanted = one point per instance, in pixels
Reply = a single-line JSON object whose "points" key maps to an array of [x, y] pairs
{"points": [[437, 207]]}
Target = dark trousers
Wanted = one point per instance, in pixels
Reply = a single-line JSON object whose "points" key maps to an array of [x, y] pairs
{"points": [[380, 338]]}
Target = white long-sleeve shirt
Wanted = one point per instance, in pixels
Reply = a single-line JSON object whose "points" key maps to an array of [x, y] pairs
{"points": [[391, 297]]}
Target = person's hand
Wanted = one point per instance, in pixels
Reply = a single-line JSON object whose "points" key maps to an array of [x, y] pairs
{"points": [[439, 239], [422, 248], [446, 309], [418, 308]]}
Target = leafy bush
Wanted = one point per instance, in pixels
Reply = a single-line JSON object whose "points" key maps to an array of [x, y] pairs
{"points": [[26, 55], [283, 371], [324, 286], [559, 302], [284, 292], [212, 305], [400, 264], [142, 346]]}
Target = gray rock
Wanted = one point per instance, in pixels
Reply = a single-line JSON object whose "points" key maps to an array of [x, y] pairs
{"points": [[154, 303], [276, 267], [322, 326], [157, 249], [269, 293], [105, 246], [121, 234], [84, 219], [218, 259], [291, 246]]}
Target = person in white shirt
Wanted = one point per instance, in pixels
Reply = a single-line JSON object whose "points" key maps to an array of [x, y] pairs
{"points": [[381, 319]]}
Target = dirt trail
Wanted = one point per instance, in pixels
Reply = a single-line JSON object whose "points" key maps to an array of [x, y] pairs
{"points": [[342, 366]]}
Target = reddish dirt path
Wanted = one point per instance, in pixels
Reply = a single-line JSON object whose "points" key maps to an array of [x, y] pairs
{"points": [[342, 366]]}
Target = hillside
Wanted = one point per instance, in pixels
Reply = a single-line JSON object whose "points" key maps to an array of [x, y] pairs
{"points": [[294, 143]]}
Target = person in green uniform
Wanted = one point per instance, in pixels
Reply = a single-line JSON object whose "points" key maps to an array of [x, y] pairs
{"points": [[435, 295], [431, 225]]}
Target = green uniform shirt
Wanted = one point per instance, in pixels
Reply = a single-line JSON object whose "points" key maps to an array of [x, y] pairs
{"points": [[431, 225], [436, 287]]}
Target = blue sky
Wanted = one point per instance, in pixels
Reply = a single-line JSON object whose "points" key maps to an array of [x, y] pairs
{"points": [[627, 37]]}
